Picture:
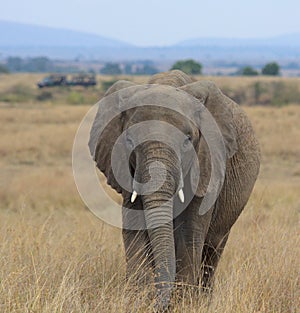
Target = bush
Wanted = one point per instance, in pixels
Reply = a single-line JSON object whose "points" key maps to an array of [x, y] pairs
{"points": [[276, 93], [248, 71], [271, 69], [190, 67], [284, 93], [44, 96], [75, 98], [17, 93]]}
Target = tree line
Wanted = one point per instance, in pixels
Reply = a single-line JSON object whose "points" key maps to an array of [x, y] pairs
{"points": [[129, 68], [189, 66], [194, 68], [46, 65]]}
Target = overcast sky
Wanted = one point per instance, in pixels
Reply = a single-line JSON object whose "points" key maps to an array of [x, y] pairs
{"points": [[160, 22]]}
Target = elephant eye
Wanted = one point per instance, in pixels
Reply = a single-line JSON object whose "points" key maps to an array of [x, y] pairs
{"points": [[187, 140], [129, 143]]}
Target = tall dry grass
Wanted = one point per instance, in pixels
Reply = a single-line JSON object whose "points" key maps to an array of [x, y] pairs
{"points": [[55, 256]]}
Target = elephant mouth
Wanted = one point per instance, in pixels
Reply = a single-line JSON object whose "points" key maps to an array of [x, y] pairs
{"points": [[180, 195], [154, 181]]}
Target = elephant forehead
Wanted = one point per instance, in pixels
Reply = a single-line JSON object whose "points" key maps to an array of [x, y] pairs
{"points": [[155, 130], [164, 96], [128, 98]]}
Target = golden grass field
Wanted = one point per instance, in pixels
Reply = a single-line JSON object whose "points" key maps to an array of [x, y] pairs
{"points": [[56, 256]]}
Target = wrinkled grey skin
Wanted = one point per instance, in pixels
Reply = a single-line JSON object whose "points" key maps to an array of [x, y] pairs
{"points": [[187, 249]]}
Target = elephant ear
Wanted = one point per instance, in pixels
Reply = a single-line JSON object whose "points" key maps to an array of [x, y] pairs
{"points": [[221, 110], [106, 129]]}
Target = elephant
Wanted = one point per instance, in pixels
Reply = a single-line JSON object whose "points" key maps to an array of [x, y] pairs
{"points": [[164, 173]]}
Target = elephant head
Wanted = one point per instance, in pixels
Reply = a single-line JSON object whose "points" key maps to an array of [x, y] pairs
{"points": [[163, 145]]}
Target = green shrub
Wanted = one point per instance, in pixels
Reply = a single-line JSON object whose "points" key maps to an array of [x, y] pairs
{"points": [[190, 67], [17, 93], [75, 98], [271, 69], [258, 89], [249, 71], [276, 93], [44, 96], [284, 93]]}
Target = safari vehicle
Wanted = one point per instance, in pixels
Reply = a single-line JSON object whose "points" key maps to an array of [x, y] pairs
{"points": [[61, 80], [83, 80], [52, 80]]}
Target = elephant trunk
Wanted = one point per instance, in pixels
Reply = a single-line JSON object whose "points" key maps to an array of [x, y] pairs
{"points": [[162, 244], [163, 177]]}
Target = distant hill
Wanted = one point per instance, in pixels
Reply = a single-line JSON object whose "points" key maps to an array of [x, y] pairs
{"points": [[291, 40], [25, 40], [18, 34]]}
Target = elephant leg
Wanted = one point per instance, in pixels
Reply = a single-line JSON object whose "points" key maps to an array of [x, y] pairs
{"points": [[188, 256], [226, 212], [190, 232], [212, 251]]}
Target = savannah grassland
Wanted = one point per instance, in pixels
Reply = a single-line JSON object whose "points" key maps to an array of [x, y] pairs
{"points": [[55, 256]]}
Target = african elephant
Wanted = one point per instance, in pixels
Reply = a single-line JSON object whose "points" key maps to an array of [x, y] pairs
{"points": [[166, 168]]}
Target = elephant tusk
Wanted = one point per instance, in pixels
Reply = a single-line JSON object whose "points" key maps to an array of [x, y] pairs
{"points": [[181, 195], [133, 196]]}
